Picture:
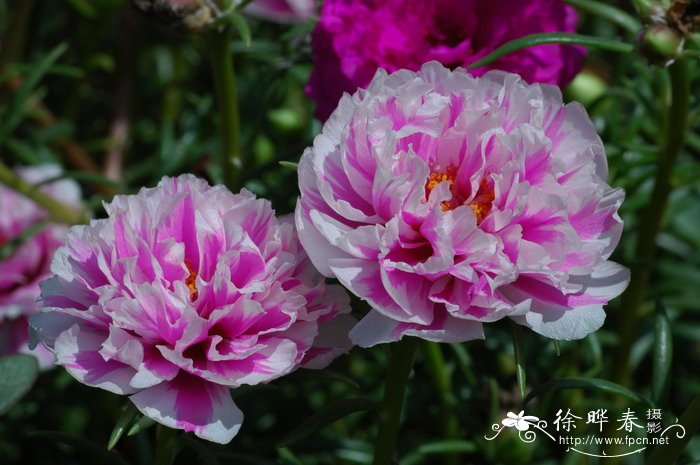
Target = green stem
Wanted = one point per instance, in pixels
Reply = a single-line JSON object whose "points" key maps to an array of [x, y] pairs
{"points": [[442, 378], [401, 356], [57, 211], [232, 160], [675, 124], [668, 454]]}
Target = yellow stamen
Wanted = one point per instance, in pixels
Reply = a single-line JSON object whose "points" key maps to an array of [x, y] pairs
{"points": [[191, 281]]}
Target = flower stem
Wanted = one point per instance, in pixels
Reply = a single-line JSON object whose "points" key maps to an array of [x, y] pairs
{"points": [[56, 210], [675, 129], [232, 160], [442, 379], [401, 356]]}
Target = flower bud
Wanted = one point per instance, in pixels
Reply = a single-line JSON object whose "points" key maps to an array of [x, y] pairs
{"points": [[190, 15], [586, 87], [661, 43], [651, 11]]}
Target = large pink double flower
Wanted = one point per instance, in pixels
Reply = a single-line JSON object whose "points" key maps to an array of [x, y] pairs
{"points": [[446, 200], [183, 292]]}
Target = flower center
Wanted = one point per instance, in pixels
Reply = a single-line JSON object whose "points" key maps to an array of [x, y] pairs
{"points": [[480, 204], [191, 281]]}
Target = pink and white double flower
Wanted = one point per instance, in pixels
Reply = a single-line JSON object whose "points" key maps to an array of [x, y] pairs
{"points": [[182, 293], [447, 201], [28, 264]]}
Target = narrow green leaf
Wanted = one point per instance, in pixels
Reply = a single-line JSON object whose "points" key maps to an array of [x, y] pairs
{"points": [[206, 456], [557, 347], [17, 376], [663, 354], [141, 424], [84, 176], [608, 12], [84, 7], [16, 109], [516, 332], [587, 383], [123, 423], [439, 448], [327, 375], [290, 164], [553, 38], [82, 447], [327, 415], [241, 25]]}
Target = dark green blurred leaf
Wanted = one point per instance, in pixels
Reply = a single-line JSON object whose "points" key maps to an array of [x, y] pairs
{"points": [[516, 332], [15, 112], [663, 355], [289, 164], [243, 28], [84, 176], [326, 375], [122, 425], [595, 384], [17, 376], [327, 415], [96, 453], [206, 456], [141, 424], [439, 448], [608, 12]]}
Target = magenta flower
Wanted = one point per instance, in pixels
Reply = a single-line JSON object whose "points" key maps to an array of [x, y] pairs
{"points": [[354, 38], [446, 200], [282, 11], [183, 292], [28, 264]]}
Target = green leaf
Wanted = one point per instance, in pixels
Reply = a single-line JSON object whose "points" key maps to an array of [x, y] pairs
{"points": [[663, 354], [84, 7], [290, 164], [142, 424], [84, 176], [17, 376], [123, 423], [326, 375], [516, 332], [15, 112], [205, 456], [609, 12], [553, 38], [84, 448], [439, 448], [327, 415], [241, 25], [587, 383]]}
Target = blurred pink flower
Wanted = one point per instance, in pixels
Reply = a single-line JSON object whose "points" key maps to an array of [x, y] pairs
{"points": [[354, 38], [28, 264], [183, 292], [446, 200], [282, 11]]}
